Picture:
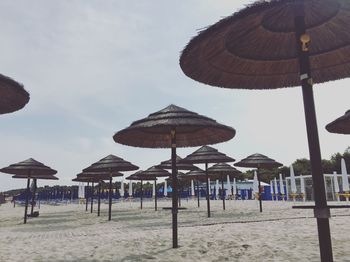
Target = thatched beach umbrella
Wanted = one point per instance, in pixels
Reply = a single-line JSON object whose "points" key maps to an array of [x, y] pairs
{"points": [[13, 97], [35, 178], [174, 127], [136, 177], [222, 171], [29, 168], [98, 177], [206, 155], [341, 125], [111, 164], [273, 44], [154, 172], [258, 161], [198, 175]]}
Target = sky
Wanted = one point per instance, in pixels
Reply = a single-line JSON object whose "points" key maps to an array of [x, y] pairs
{"points": [[93, 67]]}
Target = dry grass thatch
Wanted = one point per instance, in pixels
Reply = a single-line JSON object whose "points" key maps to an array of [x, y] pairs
{"points": [[341, 125], [256, 47], [258, 161], [191, 128], [179, 164], [111, 163], [44, 177], [12, 95], [207, 154], [154, 172], [222, 170], [29, 168]]}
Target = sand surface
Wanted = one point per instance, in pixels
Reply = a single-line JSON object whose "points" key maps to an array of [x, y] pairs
{"points": [[240, 233]]}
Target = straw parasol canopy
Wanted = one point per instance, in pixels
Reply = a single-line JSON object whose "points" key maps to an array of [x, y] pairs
{"points": [[13, 97], [279, 43], [174, 127], [255, 48], [258, 161], [29, 168], [341, 125], [180, 165], [192, 129], [111, 163], [44, 177], [207, 154], [197, 174], [154, 172], [98, 176], [222, 170]]}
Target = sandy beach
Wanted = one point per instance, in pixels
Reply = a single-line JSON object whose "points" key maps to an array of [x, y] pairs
{"points": [[240, 233]]}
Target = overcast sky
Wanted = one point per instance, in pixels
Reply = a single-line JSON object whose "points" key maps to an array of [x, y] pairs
{"points": [[93, 67]]}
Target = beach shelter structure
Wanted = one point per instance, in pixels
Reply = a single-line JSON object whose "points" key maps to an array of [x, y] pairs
{"points": [[310, 42], [35, 187], [198, 175], [341, 125], [174, 127], [223, 171], [206, 155], [153, 173], [136, 177], [30, 169], [258, 161], [13, 96], [97, 177], [111, 164]]}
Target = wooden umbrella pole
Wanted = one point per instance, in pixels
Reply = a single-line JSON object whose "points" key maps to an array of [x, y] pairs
{"points": [[260, 198], [175, 190], [179, 196], [141, 193], [223, 193], [321, 210], [26, 204], [110, 198], [87, 197], [33, 197], [99, 199], [198, 192], [155, 195], [92, 196], [208, 193]]}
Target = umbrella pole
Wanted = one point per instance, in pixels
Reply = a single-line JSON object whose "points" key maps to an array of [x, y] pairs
{"points": [[141, 193], [175, 190], [99, 199], [198, 192], [87, 197], [260, 198], [110, 199], [223, 193], [321, 210], [208, 193], [155, 195], [26, 206], [92, 197], [33, 197]]}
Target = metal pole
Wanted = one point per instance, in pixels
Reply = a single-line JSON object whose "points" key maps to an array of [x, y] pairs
{"points": [[321, 210], [92, 197], [198, 192], [99, 199], [33, 197], [260, 198], [141, 193], [174, 194], [223, 193], [155, 194], [87, 197], [208, 193], [110, 198], [26, 205]]}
